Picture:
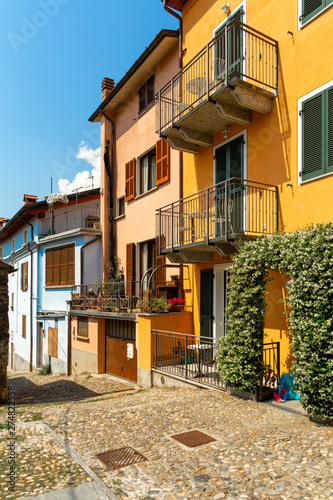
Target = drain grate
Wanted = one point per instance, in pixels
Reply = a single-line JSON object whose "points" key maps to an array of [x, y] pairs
{"points": [[193, 438], [115, 459]]}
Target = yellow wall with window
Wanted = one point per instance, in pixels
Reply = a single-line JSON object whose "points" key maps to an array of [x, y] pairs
{"points": [[273, 141]]}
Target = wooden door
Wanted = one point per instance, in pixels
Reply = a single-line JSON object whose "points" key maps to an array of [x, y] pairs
{"points": [[117, 362]]}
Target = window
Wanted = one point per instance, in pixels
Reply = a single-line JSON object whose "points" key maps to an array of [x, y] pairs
{"points": [[25, 237], [147, 94], [311, 8], [24, 276], [82, 328], [316, 134], [13, 245], [147, 256], [147, 169], [120, 209], [52, 334], [60, 266], [24, 326]]}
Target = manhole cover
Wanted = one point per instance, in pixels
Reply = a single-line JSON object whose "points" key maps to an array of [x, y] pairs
{"points": [[193, 438], [115, 459]]}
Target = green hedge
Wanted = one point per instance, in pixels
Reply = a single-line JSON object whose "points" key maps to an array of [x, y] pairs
{"points": [[307, 257]]}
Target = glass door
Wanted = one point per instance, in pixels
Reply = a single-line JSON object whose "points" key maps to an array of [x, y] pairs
{"points": [[229, 196]]}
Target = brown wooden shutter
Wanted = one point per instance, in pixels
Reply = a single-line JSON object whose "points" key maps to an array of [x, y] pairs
{"points": [[22, 277], [25, 275], [130, 267], [24, 326], [52, 334], [49, 267], [130, 169], [71, 265], [162, 161]]}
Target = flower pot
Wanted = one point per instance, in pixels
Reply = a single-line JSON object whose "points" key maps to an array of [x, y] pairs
{"points": [[177, 307]]}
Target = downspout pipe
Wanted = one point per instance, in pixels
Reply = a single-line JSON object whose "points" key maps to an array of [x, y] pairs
{"points": [[177, 16], [31, 288], [110, 189]]}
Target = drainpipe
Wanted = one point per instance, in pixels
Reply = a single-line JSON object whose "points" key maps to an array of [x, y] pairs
{"points": [[181, 194], [31, 285], [98, 237], [110, 189]]}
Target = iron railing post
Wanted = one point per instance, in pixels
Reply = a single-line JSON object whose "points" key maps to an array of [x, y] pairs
{"points": [[159, 112], [171, 102], [186, 369], [226, 55], [155, 346], [207, 55], [276, 67], [171, 227], [276, 209], [207, 216], [159, 230], [225, 211]]}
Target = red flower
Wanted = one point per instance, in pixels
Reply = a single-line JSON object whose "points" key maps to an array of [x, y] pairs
{"points": [[176, 302]]}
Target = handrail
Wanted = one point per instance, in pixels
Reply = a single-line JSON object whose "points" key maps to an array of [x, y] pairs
{"points": [[216, 186]]}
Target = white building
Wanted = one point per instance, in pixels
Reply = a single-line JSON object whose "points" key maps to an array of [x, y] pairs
{"points": [[52, 248]]}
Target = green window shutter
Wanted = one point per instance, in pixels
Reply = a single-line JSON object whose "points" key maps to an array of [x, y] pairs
{"points": [[311, 8], [329, 133], [313, 137]]}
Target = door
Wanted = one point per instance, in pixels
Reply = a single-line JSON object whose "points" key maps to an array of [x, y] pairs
{"points": [[121, 353], [221, 274], [229, 197], [206, 303], [39, 345], [229, 59]]}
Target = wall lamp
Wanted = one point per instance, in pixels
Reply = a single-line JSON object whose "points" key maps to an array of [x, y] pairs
{"points": [[226, 132], [226, 8]]}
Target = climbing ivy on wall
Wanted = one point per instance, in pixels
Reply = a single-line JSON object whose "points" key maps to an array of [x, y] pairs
{"points": [[307, 257]]}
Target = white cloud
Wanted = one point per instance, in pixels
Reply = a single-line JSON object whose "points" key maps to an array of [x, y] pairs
{"points": [[81, 181]]}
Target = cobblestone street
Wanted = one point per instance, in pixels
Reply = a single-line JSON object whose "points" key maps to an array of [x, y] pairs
{"points": [[259, 450]]}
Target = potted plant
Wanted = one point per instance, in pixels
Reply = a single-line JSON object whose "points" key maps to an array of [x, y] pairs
{"points": [[151, 304], [177, 304]]}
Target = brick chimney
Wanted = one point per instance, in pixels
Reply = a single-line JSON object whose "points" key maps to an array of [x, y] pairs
{"points": [[107, 87], [29, 198]]}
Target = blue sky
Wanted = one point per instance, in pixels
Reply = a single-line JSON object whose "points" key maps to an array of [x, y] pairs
{"points": [[53, 57]]}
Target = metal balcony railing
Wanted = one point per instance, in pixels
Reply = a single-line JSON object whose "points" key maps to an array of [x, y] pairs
{"points": [[78, 217], [119, 297], [232, 207], [237, 51], [194, 358]]}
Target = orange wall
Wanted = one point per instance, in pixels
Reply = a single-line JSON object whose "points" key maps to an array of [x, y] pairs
{"points": [[180, 322], [95, 342], [135, 135]]}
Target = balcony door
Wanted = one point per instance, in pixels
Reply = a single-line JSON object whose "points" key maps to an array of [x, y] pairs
{"points": [[229, 163], [234, 54]]}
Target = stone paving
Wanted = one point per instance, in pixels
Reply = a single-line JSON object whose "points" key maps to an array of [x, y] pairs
{"points": [[259, 452]]}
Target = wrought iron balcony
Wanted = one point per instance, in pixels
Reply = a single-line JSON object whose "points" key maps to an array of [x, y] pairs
{"points": [[234, 74], [217, 218]]}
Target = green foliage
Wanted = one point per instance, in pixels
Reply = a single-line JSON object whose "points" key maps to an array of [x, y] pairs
{"points": [[113, 271], [45, 369], [150, 303], [307, 257]]}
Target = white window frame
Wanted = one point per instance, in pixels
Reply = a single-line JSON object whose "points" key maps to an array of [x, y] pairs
{"points": [[299, 132], [119, 215]]}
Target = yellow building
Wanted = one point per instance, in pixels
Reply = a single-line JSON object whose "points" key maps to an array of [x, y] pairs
{"points": [[252, 112]]}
